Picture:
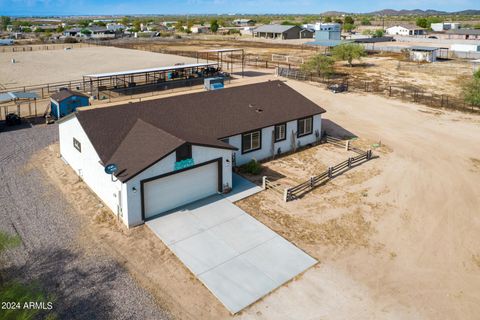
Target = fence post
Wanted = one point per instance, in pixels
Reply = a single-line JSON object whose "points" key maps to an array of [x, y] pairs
{"points": [[286, 194], [264, 182], [330, 172], [347, 145], [349, 162], [312, 182]]}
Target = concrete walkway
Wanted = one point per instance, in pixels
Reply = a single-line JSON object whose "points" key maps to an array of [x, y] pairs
{"points": [[236, 257]]}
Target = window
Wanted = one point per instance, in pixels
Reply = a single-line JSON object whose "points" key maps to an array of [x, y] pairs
{"points": [[184, 152], [251, 141], [304, 126], [280, 133], [77, 145]]}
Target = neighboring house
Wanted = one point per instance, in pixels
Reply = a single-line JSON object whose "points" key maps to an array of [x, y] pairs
{"points": [[423, 54], [66, 101], [72, 32], [115, 27], [277, 31], [464, 34], [173, 151], [243, 22], [328, 31], [444, 26], [405, 30], [200, 29], [100, 32]]}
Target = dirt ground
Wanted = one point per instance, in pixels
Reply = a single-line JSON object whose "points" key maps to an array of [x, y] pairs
{"points": [[396, 237], [392, 69], [37, 67]]}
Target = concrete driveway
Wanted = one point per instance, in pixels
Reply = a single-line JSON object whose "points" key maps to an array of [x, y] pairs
{"points": [[236, 257]]}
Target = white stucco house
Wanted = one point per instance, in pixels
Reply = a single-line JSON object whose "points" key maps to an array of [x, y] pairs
{"points": [[172, 151], [405, 31]]}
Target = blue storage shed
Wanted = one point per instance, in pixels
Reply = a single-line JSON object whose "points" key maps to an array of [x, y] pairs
{"points": [[66, 101]]}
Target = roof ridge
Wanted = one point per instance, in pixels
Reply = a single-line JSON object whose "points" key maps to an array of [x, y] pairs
{"points": [[137, 122]]}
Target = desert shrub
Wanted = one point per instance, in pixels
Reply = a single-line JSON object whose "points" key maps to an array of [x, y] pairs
{"points": [[252, 167], [70, 40]]}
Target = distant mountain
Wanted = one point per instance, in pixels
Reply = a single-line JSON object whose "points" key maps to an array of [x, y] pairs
{"points": [[414, 12]]}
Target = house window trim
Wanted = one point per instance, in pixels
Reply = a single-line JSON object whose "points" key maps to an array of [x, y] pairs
{"points": [[77, 145], [189, 146], [298, 126], [284, 132], [260, 144]]}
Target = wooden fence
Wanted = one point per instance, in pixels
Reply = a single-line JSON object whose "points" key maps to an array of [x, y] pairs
{"points": [[299, 190], [292, 193]]}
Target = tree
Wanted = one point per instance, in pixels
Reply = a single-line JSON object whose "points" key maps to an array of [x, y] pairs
{"points": [[378, 33], [349, 20], [422, 22], [319, 64], [338, 20], [84, 23], [328, 20], [179, 25], [471, 90], [348, 52], [60, 29], [214, 26], [348, 27], [4, 22], [86, 32], [365, 22], [137, 24]]}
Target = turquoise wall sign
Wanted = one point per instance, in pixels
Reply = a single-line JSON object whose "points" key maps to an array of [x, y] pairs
{"points": [[183, 164]]}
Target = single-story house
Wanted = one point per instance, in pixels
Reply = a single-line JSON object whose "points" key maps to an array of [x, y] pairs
{"points": [[168, 152], [278, 31], [66, 101], [464, 34], [200, 29], [405, 30], [243, 22]]}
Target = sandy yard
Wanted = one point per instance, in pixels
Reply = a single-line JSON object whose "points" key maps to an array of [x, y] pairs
{"points": [[388, 70], [37, 67], [396, 237]]}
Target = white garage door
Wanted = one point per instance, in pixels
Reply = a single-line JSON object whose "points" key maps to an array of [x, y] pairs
{"points": [[179, 189]]}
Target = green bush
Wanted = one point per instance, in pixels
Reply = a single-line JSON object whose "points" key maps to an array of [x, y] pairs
{"points": [[253, 167]]}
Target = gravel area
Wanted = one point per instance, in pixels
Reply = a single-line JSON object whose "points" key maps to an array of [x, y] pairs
{"points": [[84, 285]]}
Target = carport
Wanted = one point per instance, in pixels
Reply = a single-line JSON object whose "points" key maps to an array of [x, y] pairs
{"points": [[236, 257]]}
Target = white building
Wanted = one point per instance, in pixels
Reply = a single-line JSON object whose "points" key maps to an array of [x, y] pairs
{"points": [[115, 27], [465, 47], [405, 31], [444, 26], [423, 54], [173, 151]]}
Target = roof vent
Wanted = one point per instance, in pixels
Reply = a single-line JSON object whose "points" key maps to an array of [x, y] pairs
{"points": [[259, 110], [251, 105]]}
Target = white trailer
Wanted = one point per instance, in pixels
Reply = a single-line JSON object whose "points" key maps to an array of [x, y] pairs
{"points": [[465, 47]]}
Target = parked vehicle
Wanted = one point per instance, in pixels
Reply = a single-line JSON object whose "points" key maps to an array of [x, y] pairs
{"points": [[337, 88], [13, 119]]}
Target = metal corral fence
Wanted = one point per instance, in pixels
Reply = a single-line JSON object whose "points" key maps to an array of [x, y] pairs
{"points": [[404, 92], [444, 54], [301, 189], [44, 47]]}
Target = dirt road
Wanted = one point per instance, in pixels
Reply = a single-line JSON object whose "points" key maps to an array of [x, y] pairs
{"points": [[422, 256]]}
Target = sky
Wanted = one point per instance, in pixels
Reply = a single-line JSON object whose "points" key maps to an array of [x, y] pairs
{"points": [[118, 7]]}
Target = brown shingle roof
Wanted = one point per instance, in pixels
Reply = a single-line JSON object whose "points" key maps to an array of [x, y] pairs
{"points": [[64, 94], [136, 135]]}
